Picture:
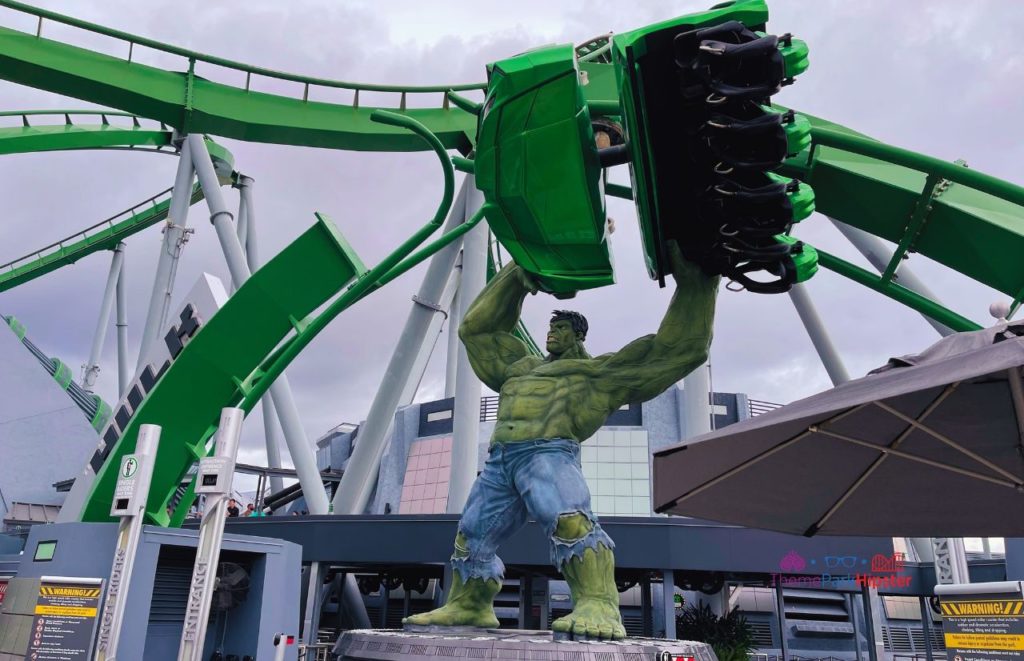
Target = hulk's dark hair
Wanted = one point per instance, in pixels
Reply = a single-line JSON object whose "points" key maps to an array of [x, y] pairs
{"points": [[578, 321]]}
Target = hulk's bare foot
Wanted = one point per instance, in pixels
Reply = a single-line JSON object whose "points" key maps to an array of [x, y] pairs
{"points": [[592, 619], [591, 580], [470, 604]]}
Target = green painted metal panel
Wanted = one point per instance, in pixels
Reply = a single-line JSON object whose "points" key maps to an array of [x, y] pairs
{"points": [[197, 105], [537, 166], [104, 238], [973, 232], [206, 376]]}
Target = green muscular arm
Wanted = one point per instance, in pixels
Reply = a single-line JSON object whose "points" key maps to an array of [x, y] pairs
{"points": [[646, 367], [487, 329]]}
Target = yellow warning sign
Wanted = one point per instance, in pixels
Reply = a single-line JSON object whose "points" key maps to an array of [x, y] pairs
{"points": [[989, 608], [59, 591], [69, 611], [985, 641]]}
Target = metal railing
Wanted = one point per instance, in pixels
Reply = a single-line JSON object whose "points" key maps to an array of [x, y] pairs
{"points": [[106, 224], [757, 406], [132, 40], [488, 408]]}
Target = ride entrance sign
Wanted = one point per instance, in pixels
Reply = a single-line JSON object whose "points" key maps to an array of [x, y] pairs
{"points": [[983, 621], [65, 619]]}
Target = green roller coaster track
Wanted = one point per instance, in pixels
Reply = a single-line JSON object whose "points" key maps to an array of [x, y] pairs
{"points": [[961, 218], [104, 235]]}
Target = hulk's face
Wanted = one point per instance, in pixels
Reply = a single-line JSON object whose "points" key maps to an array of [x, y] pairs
{"points": [[561, 337]]}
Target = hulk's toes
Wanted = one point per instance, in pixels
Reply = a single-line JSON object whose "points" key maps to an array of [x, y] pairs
{"points": [[594, 620], [448, 616]]}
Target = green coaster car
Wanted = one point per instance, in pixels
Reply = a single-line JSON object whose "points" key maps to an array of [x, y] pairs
{"points": [[537, 166]]}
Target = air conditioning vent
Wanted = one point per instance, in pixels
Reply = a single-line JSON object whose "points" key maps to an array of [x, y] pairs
{"points": [[762, 633], [896, 639]]}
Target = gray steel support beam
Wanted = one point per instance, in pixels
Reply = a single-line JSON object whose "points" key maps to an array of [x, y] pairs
{"points": [[271, 431], [697, 402], [646, 611], [91, 369], [466, 425], [248, 238], [780, 613], [124, 372], [433, 335], [926, 629], [170, 251], [819, 336], [454, 319], [360, 476], [872, 624], [311, 613], [352, 600], [852, 605], [879, 255], [668, 602], [242, 225], [295, 436]]}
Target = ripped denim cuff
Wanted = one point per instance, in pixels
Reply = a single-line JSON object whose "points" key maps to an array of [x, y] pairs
{"points": [[564, 550], [469, 567]]}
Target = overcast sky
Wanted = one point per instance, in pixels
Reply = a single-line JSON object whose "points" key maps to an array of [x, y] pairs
{"points": [[939, 76]]}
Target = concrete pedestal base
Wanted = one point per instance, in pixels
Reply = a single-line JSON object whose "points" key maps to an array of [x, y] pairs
{"points": [[385, 645]]}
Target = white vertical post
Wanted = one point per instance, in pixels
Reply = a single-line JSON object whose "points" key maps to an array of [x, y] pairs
{"points": [[466, 425], [170, 251], [247, 237], [294, 434], [130, 494], [876, 252], [214, 481], [668, 602], [819, 336], [454, 321], [361, 473], [124, 375], [697, 402], [92, 368]]}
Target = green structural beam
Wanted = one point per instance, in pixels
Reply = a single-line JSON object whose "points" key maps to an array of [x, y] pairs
{"points": [[967, 220], [187, 399], [896, 292], [190, 103]]}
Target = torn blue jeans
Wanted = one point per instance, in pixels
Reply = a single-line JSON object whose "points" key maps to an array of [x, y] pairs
{"points": [[541, 479]]}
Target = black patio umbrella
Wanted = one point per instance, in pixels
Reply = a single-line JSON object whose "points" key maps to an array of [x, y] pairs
{"points": [[929, 445]]}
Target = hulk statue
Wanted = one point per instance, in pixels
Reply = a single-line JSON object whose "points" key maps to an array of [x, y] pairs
{"points": [[547, 407]]}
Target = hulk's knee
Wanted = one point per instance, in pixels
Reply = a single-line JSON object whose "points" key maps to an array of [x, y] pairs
{"points": [[573, 526]]}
